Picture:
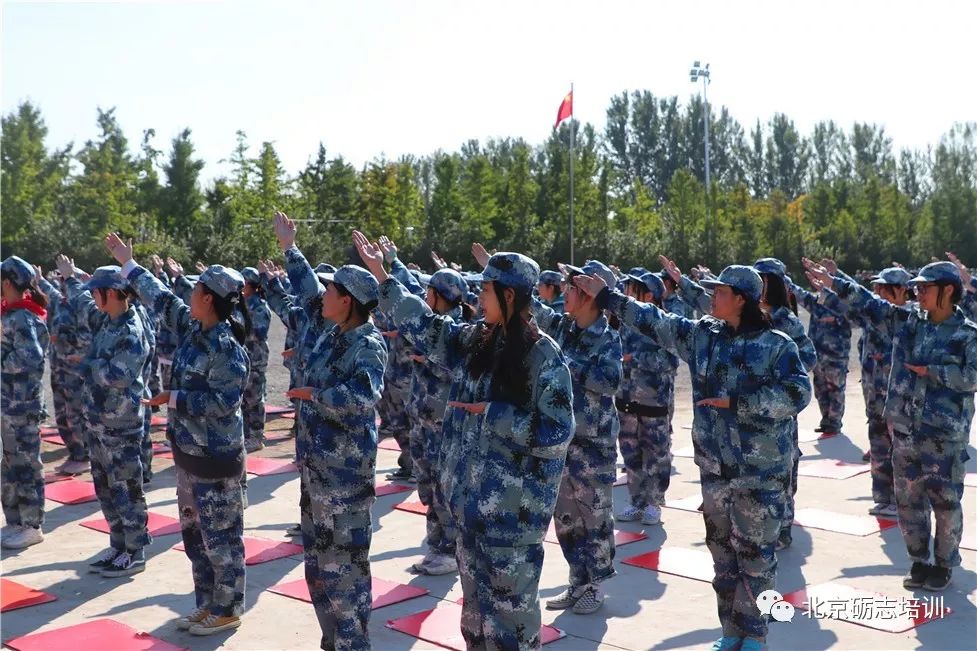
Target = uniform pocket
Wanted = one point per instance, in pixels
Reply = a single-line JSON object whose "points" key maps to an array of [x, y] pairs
{"points": [[352, 528]]}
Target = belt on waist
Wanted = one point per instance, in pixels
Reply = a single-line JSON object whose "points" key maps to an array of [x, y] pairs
{"points": [[638, 409]]}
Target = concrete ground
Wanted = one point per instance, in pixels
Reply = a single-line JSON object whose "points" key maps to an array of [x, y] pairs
{"points": [[644, 609]]}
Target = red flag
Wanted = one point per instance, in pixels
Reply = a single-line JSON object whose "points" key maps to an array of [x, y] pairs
{"points": [[566, 109]]}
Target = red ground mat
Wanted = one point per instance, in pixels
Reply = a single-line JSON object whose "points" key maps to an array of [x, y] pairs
{"points": [[159, 525], [831, 469], [159, 446], [384, 592], [853, 525], [92, 636], [275, 410], [55, 476], [262, 550], [157, 421], [262, 466], [810, 436], [389, 444], [13, 595], [690, 503], [871, 609], [442, 626], [53, 439], [72, 491], [970, 479], [412, 507], [620, 537], [278, 435], [391, 489], [686, 453], [48, 431], [690, 563]]}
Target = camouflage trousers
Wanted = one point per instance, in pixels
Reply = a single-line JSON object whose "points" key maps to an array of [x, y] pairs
{"points": [[425, 448], [830, 378], [392, 409], [646, 445], [788, 520], [22, 487], [67, 391], [582, 517], [117, 472], [929, 477], [154, 384], [253, 406], [337, 571], [212, 519], [501, 591], [742, 525], [880, 451]]}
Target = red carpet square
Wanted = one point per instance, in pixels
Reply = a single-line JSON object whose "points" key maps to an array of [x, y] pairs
{"points": [[391, 489], [442, 626], [96, 635], [275, 410], [620, 537], [13, 595], [48, 431], [690, 503], [53, 439], [871, 609], [159, 525], [853, 525], [262, 550], [261, 466], [412, 507], [384, 592], [70, 492], [831, 469], [157, 421], [810, 436], [389, 444], [690, 563], [159, 446]]}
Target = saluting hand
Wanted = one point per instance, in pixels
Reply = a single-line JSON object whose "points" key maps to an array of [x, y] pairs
{"points": [[158, 400], [121, 251], [285, 230], [371, 255], [590, 285], [671, 269], [300, 393], [470, 407], [718, 403], [481, 255], [917, 369]]}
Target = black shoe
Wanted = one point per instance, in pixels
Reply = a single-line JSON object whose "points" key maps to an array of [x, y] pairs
{"points": [[867, 456], [104, 560], [126, 563], [938, 579], [399, 475], [819, 428], [918, 575]]}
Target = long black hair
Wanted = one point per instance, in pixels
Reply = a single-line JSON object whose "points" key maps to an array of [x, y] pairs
{"points": [[775, 292], [752, 317], [225, 307], [31, 288], [362, 310], [510, 375]]}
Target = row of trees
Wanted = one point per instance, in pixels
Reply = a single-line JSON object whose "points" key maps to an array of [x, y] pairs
{"points": [[837, 192]]}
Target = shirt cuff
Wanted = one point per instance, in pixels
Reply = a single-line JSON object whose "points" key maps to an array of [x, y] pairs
{"points": [[173, 398], [128, 268]]}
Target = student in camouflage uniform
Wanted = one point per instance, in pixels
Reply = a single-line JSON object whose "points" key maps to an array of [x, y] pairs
{"points": [[115, 369], [341, 384], [506, 431], [23, 346], [430, 385], [748, 383], [253, 406], [583, 519], [879, 316], [393, 409], [205, 430], [645, 405], [550, 290], [830, 332], [930, 407], [673, 302], [149, 328]]}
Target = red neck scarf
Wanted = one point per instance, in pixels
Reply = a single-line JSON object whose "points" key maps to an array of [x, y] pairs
{"points": [[23, 304]]}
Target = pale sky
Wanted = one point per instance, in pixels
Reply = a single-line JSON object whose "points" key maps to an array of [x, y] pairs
{"points": [[398, 76]]}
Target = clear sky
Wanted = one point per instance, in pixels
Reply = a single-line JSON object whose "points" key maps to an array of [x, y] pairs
{"points": [[400, 76]]}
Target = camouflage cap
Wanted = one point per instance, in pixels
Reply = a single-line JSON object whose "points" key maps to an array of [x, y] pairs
{"points": [[637, 271], [595, 268], [512, 270], [770, 266], [251, 275], [325, 268], [550, 277], [938, 272], [449, 284], [107, 277], [359, 282], [222, 280], [746, 279], [892, 276], [651, 281], [18, 269]]}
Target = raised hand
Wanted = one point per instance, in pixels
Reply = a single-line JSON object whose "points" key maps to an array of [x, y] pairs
{"points": [[589, 285], [829, 265], [157, 263], [121, 251], [671, 269], [389, 249], [438, 262], [285, 230], [65, 265], [371, 255], [481, 255], [262, 268], [818, 274], [965, 275]]}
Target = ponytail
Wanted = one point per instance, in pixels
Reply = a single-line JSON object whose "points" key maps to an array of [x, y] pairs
{"points": [[31, 288], [234, 310]]}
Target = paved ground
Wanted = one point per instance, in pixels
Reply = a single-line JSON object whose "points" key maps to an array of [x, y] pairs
{"points": [[644, 609]]}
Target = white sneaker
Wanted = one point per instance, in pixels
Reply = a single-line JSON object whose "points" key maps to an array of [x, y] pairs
{"points": [[630, 513], [418, 567], [652, 515], [26, 537], [442, 564], [567, 599], [9, 530], [877, 509], [888, 511]]}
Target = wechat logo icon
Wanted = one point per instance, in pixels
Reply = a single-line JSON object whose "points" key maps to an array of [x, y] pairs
{"points": [[771, 602]]}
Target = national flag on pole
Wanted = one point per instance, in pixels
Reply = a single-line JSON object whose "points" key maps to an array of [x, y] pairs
{"points": [[566, 109]]}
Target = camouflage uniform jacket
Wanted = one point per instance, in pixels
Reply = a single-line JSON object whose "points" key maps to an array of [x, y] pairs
{"points": [[24, 345]]}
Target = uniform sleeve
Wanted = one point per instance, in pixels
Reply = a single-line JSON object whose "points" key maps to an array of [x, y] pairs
{"points": [[961, 377], [83, 304], [173, 312], [603, 372], [360, 390], [860, 300], [432, 335], [24, 353], [547, 319], [261, 321], [669, 330], [305, 284], [545, 430], [292, 316], [403, 275], [226, 379], [53, 293], [123, 367], [694, 294], [784, 395]]}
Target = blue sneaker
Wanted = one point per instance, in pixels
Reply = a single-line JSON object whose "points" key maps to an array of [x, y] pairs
{"points": [[752, 644], [726, 643]]}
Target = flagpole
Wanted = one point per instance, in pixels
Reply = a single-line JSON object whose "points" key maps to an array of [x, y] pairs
{"points": [[571, 172]]}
